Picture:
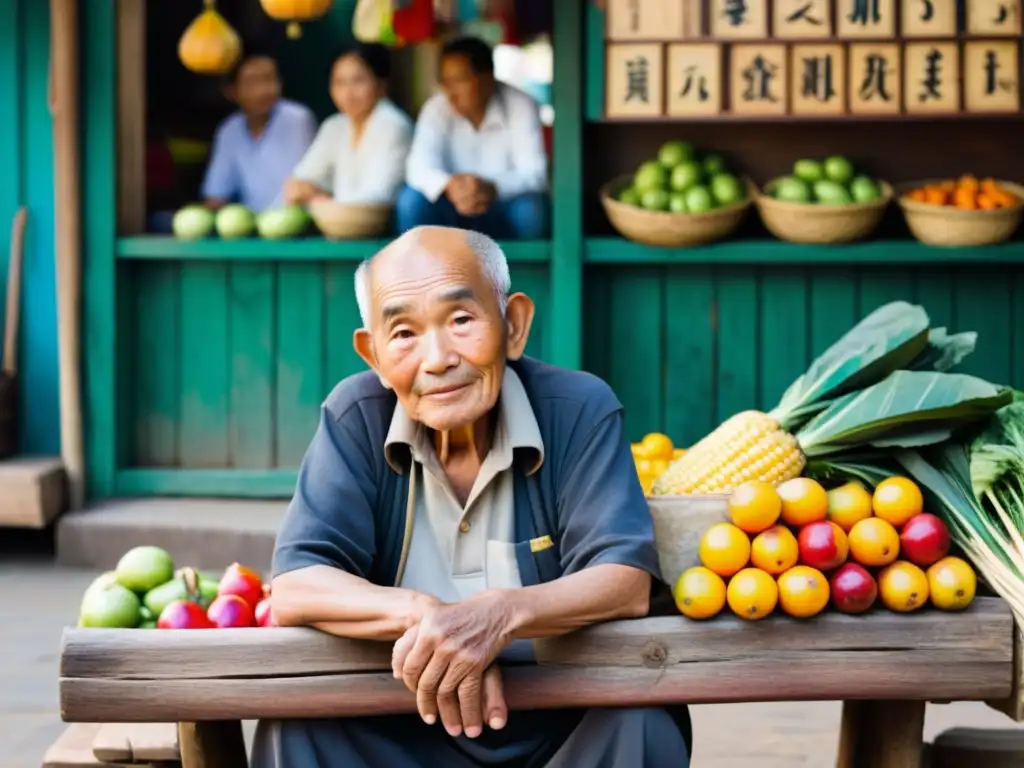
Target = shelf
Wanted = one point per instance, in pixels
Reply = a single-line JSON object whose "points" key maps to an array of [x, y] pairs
{"points": [[239, 483], [161, 247], [615, 250]]}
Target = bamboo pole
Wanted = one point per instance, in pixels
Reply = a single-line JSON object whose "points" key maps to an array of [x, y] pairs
{"points": [[64, 108]]}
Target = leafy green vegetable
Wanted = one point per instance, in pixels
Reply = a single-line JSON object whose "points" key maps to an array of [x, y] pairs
{"points": [[944, 352]]}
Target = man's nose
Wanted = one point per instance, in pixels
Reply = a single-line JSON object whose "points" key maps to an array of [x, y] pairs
{"points": [[439, 355]]}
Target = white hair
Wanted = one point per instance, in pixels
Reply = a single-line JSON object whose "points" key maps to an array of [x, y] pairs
{"points": [[488, 252]]}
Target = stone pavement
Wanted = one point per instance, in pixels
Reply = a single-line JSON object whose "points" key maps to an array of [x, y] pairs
{"points": [[37, 599]]}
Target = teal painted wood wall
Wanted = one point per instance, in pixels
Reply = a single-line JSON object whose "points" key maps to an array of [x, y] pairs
{"points": [[27, 179]]}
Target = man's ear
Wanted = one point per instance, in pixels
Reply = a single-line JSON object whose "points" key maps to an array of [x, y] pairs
{"points": [[362, 342], [518, 319]]}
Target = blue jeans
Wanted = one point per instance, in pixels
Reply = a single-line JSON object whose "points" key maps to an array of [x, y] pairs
{"points": [[524, 217]]}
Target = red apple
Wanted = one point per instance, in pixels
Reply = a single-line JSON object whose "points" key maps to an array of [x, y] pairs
{"points": [[242, 581], [823, 545], [853, 589], [924, 540], [230, 611], [183, 614], [263, 615]]}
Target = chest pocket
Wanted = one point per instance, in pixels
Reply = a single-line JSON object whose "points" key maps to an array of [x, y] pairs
{"points": [[537, 552]]}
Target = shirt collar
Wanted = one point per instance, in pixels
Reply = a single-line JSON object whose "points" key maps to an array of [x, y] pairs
{"points": [[516, 429]]}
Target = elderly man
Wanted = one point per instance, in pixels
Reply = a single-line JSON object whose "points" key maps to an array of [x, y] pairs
{"points": [[458, 501]]}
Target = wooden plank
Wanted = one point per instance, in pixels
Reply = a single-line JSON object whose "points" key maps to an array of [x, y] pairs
{"points": [[73, 748], [832, 295], [689, 370], [342, 319], [214, 744], [205, 365], [879, 286], [736, 324], [637, 310], [933, 290], [881, 734], [131, 117], [300, 359], [982, 304], [251, 307], [32, 492], [136, 743], [784, 330]]}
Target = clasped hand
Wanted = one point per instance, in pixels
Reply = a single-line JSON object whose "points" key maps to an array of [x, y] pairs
{"points": [[470, 195], [447, 661]]}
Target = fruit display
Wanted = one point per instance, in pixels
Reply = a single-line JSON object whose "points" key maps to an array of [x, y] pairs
{"points": [[196, 222], [680, 180], [652, 455], [966, 193], [146, 591], [832, 181], [796, 549]]}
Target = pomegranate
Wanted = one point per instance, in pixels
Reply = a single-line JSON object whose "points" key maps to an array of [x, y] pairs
{"points": [[823, 545], [263, 615], [853, 589], [242, 581], [924, 539], [229, 612], [183, 614]]}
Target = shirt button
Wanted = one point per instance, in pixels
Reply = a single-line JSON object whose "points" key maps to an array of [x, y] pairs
{"points": [[464, 526]]}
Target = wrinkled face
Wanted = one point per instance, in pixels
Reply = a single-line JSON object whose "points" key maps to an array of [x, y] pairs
{"points": [[438, 336], [257, 86], [355, 90], [466, 90]]}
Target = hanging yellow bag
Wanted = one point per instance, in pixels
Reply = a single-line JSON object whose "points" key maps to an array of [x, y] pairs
{"points": [[209, 45]]}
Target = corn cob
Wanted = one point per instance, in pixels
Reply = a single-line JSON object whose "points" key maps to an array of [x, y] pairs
{"points": [[748, 446]]}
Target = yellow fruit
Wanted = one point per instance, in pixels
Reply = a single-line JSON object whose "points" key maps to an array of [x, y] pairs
{"points": [[209, 45], [699, 593], [775, 550], [637, 450], [902, 587], [724, 548], [896, 500], [646, 481], [658, 466], [642, 465], [848, 505], [952, 584], [754, 506], [803, 501], [752, 594], [803, 592], [657, 446], [677, 452], [874, 542]]}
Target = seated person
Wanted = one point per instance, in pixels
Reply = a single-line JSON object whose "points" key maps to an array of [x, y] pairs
{"points": [[457, 501], [358, 155], [477, 159], [256, 147]]}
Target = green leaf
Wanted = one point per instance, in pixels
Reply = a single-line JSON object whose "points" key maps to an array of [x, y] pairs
{"points": [[869, 468], [944, 352], [886, 340], [910, 405]]}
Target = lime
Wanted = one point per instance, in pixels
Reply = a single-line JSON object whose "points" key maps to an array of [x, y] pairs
{"points": [[677, 202], [792, 190], [831, 193], [650, 175], [672, 153], [629, 196], [655, 200], [864, 190], [699, 200], [713, 164], [838, 169], [726, 189], [142, 568], [808, 170], [684, 176], [112, 606]]}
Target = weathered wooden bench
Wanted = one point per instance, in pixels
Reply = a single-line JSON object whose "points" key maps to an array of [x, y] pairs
{"points": [[885, 666]]}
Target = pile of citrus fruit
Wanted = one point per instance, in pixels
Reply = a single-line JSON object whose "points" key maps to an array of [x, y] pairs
{"points": [[798, 547], [966, 193], [652, 455]]}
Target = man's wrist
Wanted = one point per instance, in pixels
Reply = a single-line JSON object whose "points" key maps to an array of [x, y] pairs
{"points": [[416, 605], [517, 609]]}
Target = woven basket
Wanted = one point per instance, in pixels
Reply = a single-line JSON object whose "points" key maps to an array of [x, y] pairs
{"points": [[671, 230], [944, 225], [341, 221], [679, 523], [8, 415], [817, 224]]}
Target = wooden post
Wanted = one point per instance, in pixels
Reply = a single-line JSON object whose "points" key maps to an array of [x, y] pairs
{"points": [[68, 238], [212, 744], [881, 734]]}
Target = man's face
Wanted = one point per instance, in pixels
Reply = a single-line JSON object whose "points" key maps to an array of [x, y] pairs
{"points": [[466, 90], [439, 337], [257, 86]]}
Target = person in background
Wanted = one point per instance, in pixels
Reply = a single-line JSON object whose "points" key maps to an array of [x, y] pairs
{"points": [[256, 147], [477, 159], [358, 155]]}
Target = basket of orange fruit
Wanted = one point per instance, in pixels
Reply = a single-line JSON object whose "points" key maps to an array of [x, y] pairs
{"points": [[962, 212], [652, 455], [799, 549]]}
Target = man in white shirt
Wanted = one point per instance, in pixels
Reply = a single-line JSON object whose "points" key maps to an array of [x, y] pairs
{"points": [[478, 159]]}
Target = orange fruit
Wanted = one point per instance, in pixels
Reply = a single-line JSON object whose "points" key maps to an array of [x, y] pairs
{"points": [[803, 592], [677, 452], [699, 593], [874, 542], [637, 449], [658, 466], [754, 506], [849, 504], [951, 584], [775, 550], [655, 445], [803, 501], [902, 587], [896, 500], [724, 549], [752, 594]]}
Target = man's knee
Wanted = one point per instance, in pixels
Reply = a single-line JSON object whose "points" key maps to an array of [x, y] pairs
{"points": [[528, 215], [413, 209]]}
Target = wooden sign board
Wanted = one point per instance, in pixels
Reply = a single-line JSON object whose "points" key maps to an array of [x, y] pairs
{"points": [[928, 18], [993, 18], [635, 80], [818, 79], [876, 79], [802, 19], [694, 79], [644, 20], [738, 19], [757, 80], [991, 76], [931, 83], [866, 19]]}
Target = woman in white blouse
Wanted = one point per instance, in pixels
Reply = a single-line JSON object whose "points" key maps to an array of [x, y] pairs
{"points": [[358, 155]]}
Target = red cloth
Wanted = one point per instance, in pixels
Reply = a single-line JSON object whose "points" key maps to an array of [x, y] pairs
{"points": [[415, 22]]}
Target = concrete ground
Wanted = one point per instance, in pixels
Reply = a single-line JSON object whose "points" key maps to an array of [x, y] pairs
{"points": [[38, 598]]}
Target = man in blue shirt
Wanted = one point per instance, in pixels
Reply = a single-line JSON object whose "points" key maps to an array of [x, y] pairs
{"points": [[478, 158], [256, 147]]}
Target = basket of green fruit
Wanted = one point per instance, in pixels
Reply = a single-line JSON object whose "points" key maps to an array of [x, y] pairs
{"points": [[824, 203], [677, 199]]}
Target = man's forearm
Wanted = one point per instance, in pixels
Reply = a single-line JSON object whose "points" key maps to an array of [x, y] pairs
{"points": [[345, 605], [601, 593]]}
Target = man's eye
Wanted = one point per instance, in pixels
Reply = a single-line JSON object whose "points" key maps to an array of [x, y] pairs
{"points": [[401, 333], [462, 319]]}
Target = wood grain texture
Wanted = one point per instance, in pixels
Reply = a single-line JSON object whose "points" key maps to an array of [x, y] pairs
{"points": [[216, 744], [136, 743]]}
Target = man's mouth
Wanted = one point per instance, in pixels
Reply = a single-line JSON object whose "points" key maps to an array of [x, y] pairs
{"points": [[441, 393]]}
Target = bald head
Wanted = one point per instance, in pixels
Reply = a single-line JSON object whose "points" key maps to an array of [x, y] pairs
{"points": [[400, 255]]}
